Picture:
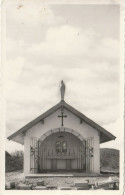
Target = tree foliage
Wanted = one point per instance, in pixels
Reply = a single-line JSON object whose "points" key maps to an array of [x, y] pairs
{"points": [[109, 159], [14, 161]]}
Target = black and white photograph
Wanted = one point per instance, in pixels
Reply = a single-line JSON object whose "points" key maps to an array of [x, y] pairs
{"points": [[63, 91]]}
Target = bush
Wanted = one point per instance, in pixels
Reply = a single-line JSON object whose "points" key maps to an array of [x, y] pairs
{"points": [[14, 161], [109, 159]]}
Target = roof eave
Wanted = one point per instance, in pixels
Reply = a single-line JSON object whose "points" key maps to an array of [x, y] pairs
{"points": [[90, 122], [71, 109], [35, 121], [107, 140]]}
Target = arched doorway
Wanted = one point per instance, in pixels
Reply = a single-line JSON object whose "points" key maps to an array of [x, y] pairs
{"points": [[61, 149]]}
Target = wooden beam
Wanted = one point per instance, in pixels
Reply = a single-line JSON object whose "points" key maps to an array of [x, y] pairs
{"points": [[42, 121], [62, 108], [24, 133], [81, 120]]}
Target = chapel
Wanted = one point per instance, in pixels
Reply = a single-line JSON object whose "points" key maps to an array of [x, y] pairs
{"points": [[61, 139]]}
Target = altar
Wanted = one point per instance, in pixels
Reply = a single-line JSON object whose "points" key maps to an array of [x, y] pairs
{"points": [[61, 162]]}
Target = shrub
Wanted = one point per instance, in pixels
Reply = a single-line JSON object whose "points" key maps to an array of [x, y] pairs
{"points": [[109, 159], [14, 161]]}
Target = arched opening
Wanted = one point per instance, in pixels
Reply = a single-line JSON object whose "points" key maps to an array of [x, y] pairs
{"points": [[58, 152], [62, 149], [66, 129]]}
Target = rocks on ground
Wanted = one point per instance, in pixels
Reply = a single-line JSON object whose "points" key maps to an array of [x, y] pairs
{"points": [[60, 183]]}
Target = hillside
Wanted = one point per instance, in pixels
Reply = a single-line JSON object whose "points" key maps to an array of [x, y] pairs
{"points": [[109, 159]]}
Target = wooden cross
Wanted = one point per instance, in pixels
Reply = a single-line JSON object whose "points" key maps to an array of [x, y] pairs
{"points": [[62, 116]]}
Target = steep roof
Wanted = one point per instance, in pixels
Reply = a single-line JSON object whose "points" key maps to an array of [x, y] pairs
{"points": [[104, 134]]}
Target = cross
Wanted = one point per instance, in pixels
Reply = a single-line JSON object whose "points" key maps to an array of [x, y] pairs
{"points": [[62, 116]]}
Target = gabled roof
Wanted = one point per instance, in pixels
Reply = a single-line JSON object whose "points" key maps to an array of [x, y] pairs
{"points": [[104, 134]]}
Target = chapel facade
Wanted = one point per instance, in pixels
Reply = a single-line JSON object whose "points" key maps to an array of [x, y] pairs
{"points": [[61, 139]]}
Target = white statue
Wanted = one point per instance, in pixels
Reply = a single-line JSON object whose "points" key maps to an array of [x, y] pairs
{"points": [[62, 89]]}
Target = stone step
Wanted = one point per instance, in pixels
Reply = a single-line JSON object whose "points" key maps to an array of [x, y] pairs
{"points": [[64, 188], [82, 188], [24, 187], [40, 188], [9, 185], [50, 187], [40, 183], [80, 183]]}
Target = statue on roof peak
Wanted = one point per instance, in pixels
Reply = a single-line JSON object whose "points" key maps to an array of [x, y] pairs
{"points": [[62, 89]]}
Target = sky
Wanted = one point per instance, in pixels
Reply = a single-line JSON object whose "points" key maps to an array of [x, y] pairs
{"points": [[76, 43]]}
